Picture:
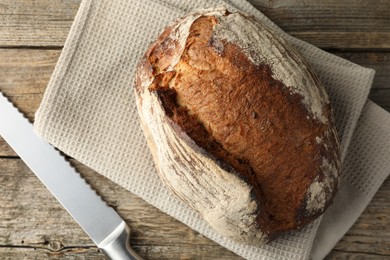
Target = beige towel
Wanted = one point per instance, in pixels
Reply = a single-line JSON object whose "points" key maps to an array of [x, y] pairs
{"points": [[89, 113]]}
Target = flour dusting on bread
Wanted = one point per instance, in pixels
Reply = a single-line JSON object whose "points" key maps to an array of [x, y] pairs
{"points": [[285, 65], [239, 126]]}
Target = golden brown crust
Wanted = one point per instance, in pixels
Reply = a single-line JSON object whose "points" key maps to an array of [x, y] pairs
{"points": [[242, 116]]}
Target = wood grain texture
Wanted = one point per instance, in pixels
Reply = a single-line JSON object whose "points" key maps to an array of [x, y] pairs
{"points": [[379, 61], [34, 226], [32, 218], [335, 254], [36, 23], [25, 74], [356, 24], [381, 97], [33, 222]]}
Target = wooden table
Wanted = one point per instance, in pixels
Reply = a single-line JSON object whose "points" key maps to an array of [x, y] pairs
{"points": [[32, 223]]}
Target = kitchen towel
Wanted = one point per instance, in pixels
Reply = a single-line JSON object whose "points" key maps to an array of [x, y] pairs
{"points": [[88, 112]]}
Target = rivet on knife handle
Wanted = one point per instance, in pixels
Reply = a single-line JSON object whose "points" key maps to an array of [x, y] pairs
{"points": [[102, 224]]}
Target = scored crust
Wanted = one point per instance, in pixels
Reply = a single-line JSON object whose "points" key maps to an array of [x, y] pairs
{"points": [[243, 99]]}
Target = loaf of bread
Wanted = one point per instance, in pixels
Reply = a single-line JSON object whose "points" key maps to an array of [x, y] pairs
{"points": [[239, 126]]}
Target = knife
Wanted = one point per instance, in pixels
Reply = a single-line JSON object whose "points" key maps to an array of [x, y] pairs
{"points": [[102, 224]]}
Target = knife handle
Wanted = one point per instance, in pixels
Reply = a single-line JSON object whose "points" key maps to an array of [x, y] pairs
{"points": [[117, 245]]}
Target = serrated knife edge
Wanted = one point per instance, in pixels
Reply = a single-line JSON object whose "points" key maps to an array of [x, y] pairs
{"points": [[105, 227]]}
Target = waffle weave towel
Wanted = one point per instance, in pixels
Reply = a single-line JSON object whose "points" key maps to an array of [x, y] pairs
{"points": [[88, 112]]}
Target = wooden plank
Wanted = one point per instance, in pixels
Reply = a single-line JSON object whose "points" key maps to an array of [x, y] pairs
{"points": [[24, 74], [32, 219], [371, 232], [354, 256], [357, 24], [346, 24], [36, 23], [73, 253], [379, 61], [381, 97], [345, 40], [5, 150], [32, 253]]}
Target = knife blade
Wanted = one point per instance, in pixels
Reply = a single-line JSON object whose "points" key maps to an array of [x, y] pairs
{"points": [[102, 224]]}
